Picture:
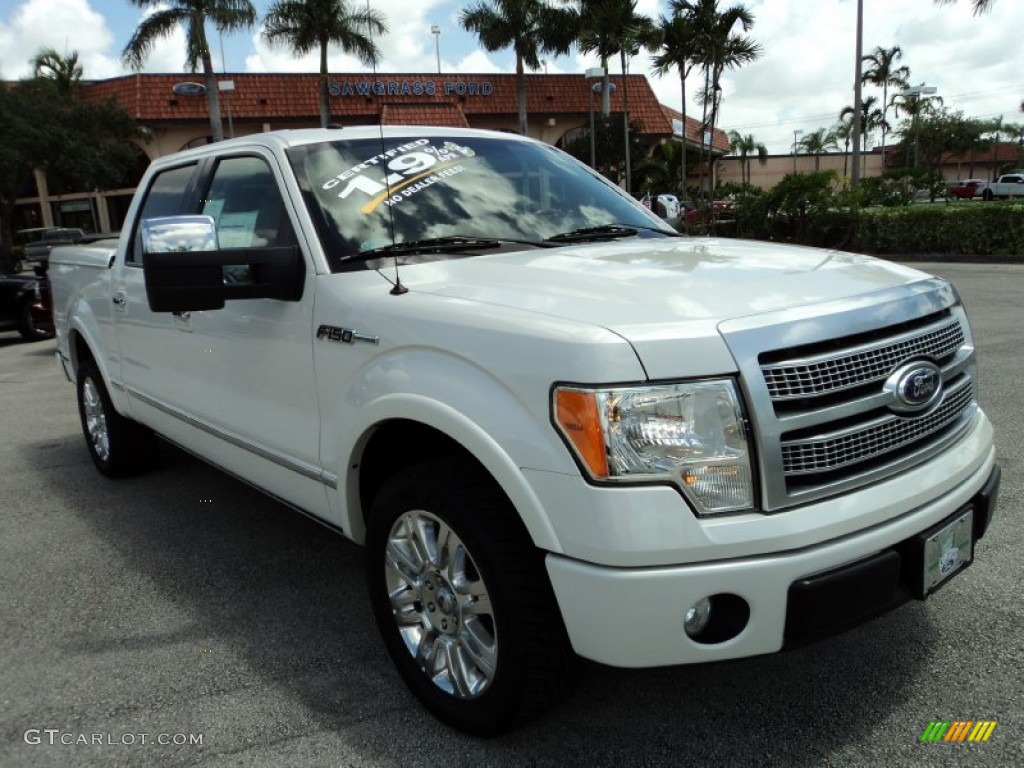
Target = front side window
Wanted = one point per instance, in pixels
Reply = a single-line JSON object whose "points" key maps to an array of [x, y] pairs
{"points": [[368, 194], [245, 202]]}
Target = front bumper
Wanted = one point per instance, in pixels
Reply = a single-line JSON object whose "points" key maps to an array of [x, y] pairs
{"points": [[633, 617]]}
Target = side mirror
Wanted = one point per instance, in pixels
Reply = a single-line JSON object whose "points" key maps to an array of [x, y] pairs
{"points": [[186, 271]]}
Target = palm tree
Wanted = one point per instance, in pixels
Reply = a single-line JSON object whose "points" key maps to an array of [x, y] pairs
{"points": [[529, 27], [608, 27], [870, 118], [882, 73], [308, 25], [980, 6], [64, 71], [720, 48], [915, 105], [870, 115], [843, 131], [817, 142], [226, 15], [745, 146], [679, 49]]}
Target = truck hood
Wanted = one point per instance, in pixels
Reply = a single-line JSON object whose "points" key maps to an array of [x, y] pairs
{"points": [[659, 294]]}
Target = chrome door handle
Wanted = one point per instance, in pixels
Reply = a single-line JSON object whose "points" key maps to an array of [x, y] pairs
{"points": [[118, 299]]}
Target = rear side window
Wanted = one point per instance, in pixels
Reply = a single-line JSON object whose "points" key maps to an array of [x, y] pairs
{"points": [[166, 197]]}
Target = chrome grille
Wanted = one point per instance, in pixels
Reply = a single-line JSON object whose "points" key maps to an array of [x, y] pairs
{"points": [[825, 453], [851, 368]]}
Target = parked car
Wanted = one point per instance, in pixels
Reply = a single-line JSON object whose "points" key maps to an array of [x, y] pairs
{"points": [[26, 306], [667, 207], [38, 242], [964, 188], [692, 215], [567, 431]]}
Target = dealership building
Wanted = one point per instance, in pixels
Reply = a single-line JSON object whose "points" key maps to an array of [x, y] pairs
{"points": [[172, 110]]}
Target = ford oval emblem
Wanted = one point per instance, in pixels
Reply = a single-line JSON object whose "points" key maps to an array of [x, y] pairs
{"points": [[189, 89], [914, 386]]}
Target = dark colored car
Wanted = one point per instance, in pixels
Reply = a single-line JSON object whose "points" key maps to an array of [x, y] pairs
{"points": [[26, 305], [40, 241]]}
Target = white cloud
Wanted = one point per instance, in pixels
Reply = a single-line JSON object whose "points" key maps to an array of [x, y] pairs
{"points": [[408, 46], [64, 25]]}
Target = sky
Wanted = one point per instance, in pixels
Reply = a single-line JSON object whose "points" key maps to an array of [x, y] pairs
{"points": [[801, 82]]}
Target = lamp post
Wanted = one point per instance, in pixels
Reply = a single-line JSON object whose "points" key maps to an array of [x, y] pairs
{"points": [[921, 91], [435, 30], [797, 133], [590, 74]]}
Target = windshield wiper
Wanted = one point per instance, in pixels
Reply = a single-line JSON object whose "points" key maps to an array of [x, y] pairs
{"points": [[603, 232], [449, 244]]}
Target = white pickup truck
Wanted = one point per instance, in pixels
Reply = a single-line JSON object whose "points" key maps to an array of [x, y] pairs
{"points": [[1006, 186], [558, 426]]}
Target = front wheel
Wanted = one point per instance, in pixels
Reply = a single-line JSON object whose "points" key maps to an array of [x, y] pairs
{"points": [[462, 599], [118, 446]]}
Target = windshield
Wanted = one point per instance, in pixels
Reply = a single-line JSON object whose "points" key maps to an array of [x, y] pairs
{"points": [[516, 192]]}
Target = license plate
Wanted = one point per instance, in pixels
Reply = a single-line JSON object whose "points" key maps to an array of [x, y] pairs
{"points": [[947, 551]]}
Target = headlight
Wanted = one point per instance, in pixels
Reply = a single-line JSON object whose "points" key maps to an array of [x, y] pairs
{"points": [[691, 434]]}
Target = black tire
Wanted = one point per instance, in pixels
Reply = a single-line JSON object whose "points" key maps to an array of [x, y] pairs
{"points": [[490, 552], [987, 194], [27, 325], [118, 446]]}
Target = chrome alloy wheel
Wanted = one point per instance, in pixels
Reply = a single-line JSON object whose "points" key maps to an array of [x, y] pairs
{"points": [[96, 420], [440, 604]]}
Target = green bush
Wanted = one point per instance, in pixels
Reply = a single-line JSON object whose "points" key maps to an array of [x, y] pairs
{"points": [[803, 209], [971, 229]]}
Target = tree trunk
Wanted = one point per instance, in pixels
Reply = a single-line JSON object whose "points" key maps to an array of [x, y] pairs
{"points": [[325, 96], [701, 153], [682, 162], [521, 93], [625, 124], [606, 95], [885, 109], [212, 95]]}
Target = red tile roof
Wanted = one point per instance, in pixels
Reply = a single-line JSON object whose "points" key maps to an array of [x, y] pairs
{"points": [[362, 98], [719, 140], [424, 114]]}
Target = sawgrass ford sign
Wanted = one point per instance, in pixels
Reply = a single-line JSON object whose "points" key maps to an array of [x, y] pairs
{"points": [[411, 88]]}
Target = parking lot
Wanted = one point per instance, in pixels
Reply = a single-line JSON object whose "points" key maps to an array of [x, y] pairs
{"points": [[182, 618]]}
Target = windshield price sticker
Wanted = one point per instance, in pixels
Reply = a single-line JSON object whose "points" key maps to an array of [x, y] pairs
{"points": [[413, 166]]}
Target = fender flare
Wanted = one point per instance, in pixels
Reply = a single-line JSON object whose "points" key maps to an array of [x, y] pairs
{"points": [[486, 408]]}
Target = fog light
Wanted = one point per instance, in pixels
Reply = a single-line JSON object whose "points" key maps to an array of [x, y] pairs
{"points": [[697, 617]]}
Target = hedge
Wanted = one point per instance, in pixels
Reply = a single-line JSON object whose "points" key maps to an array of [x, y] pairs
{"points": [[977, 229]]}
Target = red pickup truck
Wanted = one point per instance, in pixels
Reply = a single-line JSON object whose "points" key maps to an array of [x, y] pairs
{"points": [[964, 188]]}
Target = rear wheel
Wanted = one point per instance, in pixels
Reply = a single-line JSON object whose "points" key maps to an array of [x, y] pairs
{"points": [[27, 325], [118, 446], [462, 599], [987, 194]]}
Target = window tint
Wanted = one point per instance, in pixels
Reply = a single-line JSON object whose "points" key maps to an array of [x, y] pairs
{"points": [[245, 201], [166, 197]]}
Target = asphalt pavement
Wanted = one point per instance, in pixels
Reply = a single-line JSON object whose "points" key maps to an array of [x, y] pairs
{"points": [[182, 618]]}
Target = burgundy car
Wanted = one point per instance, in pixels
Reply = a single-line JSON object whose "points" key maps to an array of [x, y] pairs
{"points": [[964, 188]]}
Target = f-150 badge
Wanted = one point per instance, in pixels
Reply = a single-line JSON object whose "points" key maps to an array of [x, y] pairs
{"points": [[344, 335]]}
